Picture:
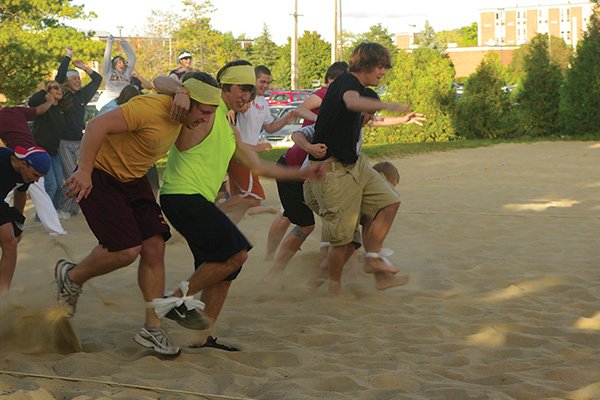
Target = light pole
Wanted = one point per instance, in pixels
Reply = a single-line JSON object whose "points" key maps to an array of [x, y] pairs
{"points": [[294, 49]]}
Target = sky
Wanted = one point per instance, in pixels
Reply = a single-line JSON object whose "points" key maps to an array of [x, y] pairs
{"points": [[248, 17]]}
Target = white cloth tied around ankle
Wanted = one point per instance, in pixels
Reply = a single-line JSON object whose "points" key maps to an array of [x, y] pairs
{"points": [[323, 245], [383, 254], [164, 305]]}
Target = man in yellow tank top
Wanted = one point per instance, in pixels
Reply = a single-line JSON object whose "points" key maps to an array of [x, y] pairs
{"points": [[195, 169]]}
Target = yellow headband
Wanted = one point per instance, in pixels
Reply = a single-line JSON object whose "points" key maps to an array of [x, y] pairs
{"points": [[202, 92], [239, 75]]}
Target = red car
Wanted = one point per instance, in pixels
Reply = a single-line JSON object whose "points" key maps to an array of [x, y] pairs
{"points": [[282, 97]]}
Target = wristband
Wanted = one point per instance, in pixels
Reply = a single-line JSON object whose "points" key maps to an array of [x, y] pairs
{"points": [[182, 90]]}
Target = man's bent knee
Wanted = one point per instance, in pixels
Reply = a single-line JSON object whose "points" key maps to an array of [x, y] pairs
{"points": [[127, 256]]}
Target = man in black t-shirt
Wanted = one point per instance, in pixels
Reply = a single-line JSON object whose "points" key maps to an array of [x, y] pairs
{"points": [[352, 188], [19, 166]]}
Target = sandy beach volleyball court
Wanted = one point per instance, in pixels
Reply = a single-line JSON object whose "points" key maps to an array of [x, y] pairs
{"points": [[504, 301]]}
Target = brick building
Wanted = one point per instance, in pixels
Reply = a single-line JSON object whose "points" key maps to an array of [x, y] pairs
{"points": [[514, 26], [503, 30]]}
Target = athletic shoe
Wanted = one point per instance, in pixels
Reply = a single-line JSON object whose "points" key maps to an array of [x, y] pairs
{"points": [[67, 291], [156, 339], [191, 319], [63, 215]]}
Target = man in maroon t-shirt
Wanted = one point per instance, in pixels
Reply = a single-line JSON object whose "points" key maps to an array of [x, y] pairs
{"points": [[15, 131]]}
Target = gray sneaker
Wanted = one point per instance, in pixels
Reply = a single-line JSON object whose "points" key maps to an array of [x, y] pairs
{"points": [[191, 319], [156, 339], [67, 291]]}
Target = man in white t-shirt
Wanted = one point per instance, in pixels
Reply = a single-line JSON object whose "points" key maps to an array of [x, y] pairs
{"points": [[245, 188]]}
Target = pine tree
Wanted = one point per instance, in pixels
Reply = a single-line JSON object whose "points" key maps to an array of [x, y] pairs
{"points": [[539, 93], [482, 110], [580, 97]]}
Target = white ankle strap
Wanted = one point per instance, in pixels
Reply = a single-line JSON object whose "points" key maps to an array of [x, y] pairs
{"points": [[378, 255]]}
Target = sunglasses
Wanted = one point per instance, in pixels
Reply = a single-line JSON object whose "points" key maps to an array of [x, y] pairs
{"points": [[55, 87], [185, 58]]}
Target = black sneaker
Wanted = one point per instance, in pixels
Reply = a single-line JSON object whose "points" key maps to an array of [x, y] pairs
{"points": [[212, 342], [191, 319]]}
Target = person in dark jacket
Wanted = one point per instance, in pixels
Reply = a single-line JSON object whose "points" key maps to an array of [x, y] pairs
{"points": [[75, 100], [47, 132]]}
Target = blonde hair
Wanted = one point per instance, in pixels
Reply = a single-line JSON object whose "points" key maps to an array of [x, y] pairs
{"points": [[388, 170]]}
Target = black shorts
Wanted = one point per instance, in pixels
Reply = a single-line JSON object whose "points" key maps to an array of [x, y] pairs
{"points": [[210, 234], [11, 215], [122, 215], [292, 200]]}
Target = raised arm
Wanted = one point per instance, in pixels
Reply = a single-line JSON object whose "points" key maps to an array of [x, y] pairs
{"points": [[80, 183], [106, 64], [130, 55], [61, 74], [90, 89]]}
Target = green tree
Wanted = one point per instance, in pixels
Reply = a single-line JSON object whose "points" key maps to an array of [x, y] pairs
{"points": [[539, 93], [282, 73], [264, 50], [463, 37], [482, 110], [32, 42], [424, 80], [560, 53], [378, 34], [195, 33], [580, 100], [313, 58], [429, 39]]}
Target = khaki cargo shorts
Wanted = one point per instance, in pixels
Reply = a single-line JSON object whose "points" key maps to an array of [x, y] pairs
{"points": [[346, 193]]}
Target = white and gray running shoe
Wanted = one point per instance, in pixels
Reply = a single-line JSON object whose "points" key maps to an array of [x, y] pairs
{"points": [[67, 291], [157, 340]]}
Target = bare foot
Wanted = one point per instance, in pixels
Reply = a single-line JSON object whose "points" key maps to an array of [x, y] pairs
{"points": [[385, 280], [335, 288], [318, 279], [377, 264], [272, 276]]}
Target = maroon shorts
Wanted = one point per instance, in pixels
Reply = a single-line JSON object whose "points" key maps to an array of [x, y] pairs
{"points": [[122, 215]]}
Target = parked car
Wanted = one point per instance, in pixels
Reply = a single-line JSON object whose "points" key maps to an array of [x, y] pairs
{"points": [[283, 137], [281, 97]]}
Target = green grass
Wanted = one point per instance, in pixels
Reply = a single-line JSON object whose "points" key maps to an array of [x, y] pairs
{"points": [[402, 150]]}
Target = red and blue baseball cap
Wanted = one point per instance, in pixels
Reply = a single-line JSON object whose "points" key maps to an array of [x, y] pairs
{"points": [[35, 156]]}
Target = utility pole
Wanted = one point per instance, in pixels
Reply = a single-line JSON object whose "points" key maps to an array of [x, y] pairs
{"points": [[334, 43], [295, 48], [340, 41]]}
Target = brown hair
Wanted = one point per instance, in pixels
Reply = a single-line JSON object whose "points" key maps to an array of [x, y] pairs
{"points": [[335, 70], [368, 55], [126, 94], [226, 86], [388, 170]]}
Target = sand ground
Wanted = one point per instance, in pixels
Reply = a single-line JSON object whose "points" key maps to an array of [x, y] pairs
{"points": [[502, 247]]}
